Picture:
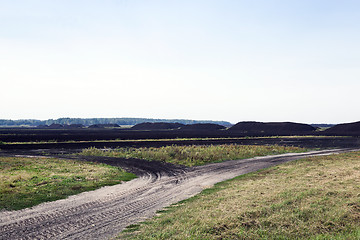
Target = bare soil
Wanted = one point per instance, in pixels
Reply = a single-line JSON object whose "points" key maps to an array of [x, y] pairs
{"points": [[273, 128], [307, 142], [202, 127], [92, 134], [157, 126], [103, 213]]}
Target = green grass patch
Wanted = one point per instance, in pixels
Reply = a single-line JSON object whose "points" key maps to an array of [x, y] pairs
{"points": [[193, 155], [25, 182], [313, 198]]}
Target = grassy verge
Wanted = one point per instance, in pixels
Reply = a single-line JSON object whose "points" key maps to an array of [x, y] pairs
{"points": [[313, 198], [193, 155], [25, 182]]}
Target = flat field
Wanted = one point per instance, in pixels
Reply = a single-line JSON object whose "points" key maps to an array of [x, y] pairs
{"points": [[112, 138]]}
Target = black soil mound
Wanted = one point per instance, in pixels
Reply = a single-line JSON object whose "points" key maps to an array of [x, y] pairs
{"points": [[43, 126], [273, 128], [352, 129], [157, 126], [203, 126], [73, 126], [104, 126], [56, 126]]}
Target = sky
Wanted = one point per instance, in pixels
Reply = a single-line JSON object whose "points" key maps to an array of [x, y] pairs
{"points": [[231, 60]]}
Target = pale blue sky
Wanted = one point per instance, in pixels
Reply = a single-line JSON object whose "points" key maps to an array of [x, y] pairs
{"points": [[217, 60]]}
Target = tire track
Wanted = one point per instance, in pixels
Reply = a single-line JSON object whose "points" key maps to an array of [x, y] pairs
{"points": [[103, 213]]}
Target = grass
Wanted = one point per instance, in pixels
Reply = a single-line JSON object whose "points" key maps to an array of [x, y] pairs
{"points": [[25, 182], [193, 155], [312, 198]]}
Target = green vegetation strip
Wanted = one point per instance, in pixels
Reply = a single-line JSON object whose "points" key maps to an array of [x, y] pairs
{"points": [[25, 182], [193, 155], [312, 198]]}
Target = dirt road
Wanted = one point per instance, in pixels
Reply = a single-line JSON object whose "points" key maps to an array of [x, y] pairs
{"points": [[103, 213]]}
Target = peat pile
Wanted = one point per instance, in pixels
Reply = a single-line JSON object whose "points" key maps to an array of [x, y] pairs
{"points": [[272, 128], [157, 126], [347, 129], [104, 126], [202, 127], [74, 126], [55, 126]]}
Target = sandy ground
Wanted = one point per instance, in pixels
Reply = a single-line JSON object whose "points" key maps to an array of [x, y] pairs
{"points": [[103, 213]]}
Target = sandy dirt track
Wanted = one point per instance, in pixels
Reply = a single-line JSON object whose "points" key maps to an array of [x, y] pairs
{"points": [[103, 213]]}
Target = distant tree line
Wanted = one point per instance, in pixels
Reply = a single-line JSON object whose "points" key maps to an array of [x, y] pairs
{"points": [[93, 121], [23, 122]]}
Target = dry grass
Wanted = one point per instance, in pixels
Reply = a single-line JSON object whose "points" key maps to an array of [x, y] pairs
{"points": [[194, 154], [313, 198], [25, 182]]}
